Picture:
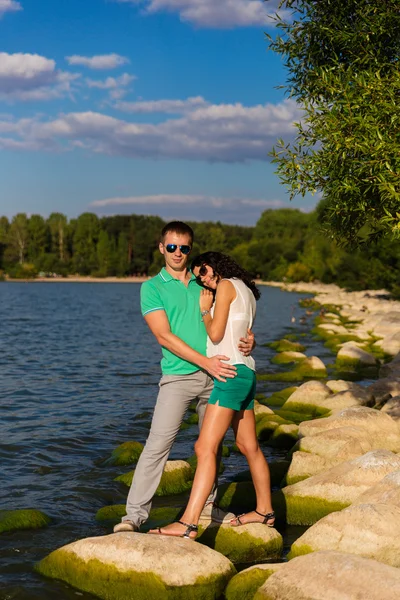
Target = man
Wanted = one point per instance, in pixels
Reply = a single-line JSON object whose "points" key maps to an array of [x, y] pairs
{"points": [[170, 306]]}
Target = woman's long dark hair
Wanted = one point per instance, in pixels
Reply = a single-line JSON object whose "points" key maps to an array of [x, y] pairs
{"points": [[225, 267]]}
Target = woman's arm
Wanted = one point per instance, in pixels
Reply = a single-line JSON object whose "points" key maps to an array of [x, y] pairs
{"points": [[224, 297]]}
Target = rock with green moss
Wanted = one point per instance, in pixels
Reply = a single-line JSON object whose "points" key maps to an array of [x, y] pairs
{"points": [[304, 465], [309, 500], [245, 584], [237, 497], [294, 417], [279, 398], [126, 454], [284, 358], [369, 530], [382, 430], [309, 398], [286, 345], [261, 411], [176, 478], [330, 575], [245, 544], [192, 419], [284, 436], [133, 565], [28, 518], [308, 368]]}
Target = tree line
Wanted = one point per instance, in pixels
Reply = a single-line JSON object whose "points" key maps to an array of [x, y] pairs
{"points": [[284, 245]]}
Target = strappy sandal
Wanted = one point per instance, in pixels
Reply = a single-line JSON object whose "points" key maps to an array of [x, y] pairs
{"points": [[186, 534], [267, 517]]}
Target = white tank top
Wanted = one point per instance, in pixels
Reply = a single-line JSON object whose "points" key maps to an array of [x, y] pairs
{"points": [[241, 317]]}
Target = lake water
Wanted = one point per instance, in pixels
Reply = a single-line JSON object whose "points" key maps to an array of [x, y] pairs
{"points": [[78, 376]]}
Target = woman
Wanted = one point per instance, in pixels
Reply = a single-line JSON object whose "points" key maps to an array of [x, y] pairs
{"points": [[231, 402]]}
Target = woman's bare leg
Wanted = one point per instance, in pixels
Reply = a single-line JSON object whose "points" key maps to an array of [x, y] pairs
{"points": [[244, 427], [215, 425]]}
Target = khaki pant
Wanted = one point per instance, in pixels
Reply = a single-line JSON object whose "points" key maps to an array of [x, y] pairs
{"points": [[175, 395]]}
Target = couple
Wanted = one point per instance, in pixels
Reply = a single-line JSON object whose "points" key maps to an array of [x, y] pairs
{"points": [[206, 357]]}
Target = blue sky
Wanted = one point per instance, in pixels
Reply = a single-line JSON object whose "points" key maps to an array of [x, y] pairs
{"points": [[162, 107]]}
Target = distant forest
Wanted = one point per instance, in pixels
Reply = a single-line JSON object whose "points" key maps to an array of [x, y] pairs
{"points": [[284, 245]]}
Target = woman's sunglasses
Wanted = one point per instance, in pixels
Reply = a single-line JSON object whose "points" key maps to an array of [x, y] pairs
{"points": [[172, 248]]}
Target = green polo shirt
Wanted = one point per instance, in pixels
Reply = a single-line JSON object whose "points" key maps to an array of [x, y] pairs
{"points": [[181, 305]]}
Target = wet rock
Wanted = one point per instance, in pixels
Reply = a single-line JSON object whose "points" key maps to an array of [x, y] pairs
{"points": [[309, 500], [287, 357], [369, 530], [243, 544], [245, 584], [11, 520], [147, 566], [330, 575]]}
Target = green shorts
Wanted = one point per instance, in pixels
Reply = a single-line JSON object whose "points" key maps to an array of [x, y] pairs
{"points": [[237, 393]]}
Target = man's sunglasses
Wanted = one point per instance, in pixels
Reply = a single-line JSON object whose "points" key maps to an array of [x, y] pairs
{"points": [[172, 248]]}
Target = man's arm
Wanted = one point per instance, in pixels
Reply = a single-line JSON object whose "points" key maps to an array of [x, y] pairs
{"points": [[159, 326]]}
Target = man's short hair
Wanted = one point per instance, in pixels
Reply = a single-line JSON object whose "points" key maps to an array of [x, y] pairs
{"points": [[177, 227]]}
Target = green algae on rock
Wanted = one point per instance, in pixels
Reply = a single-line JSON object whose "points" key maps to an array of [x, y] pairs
{"points": [[283, 358], [127, 565], [176, 478], [284, 436], [245, 584], [308, 368], [29, 518], [285, 345], [279, 398], [125, 454], [244, 544]]}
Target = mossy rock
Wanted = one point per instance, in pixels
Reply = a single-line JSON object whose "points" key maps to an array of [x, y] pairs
{"points": [[279, 398], [286, 345], [237, 496], [284, 358], [246, 544], [226, 451], [299, 550], [284, 436], [301, 371], [311, 411], [310, 303], [29, 518], [192, 461], [334, 342], [303, 510], [192, 419], [265, 428], [294, 416], [125, 454], [245, 584], [147, 571], [177, 478]]}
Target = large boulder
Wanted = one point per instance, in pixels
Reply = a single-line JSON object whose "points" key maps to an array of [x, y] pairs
{"points": [[351, 354], [340, 385], [143, 566], [330, 575], [369, 530], [245, 544], [381, 429], [311, 499], [386, 491], [316, 453], [310, 398], [392, 408]]}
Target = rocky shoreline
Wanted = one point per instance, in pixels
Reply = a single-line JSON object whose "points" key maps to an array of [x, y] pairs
{"points": [[341, 479]]}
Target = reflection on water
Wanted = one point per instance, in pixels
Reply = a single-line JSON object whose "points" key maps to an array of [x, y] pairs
{"points": [[79, 375]]}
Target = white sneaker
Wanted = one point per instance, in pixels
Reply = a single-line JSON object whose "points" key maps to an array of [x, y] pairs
{"points": [[125, 526], [212, 512]]}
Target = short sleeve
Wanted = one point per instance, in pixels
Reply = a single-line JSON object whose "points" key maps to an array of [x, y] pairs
{"points": [[150, 298]]}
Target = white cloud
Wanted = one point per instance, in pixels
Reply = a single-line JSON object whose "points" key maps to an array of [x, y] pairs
{"points": [[224, 132], [162, 106], [32, 77], [111, 82], [214, 13], [9, 6], [187, 199], [102, 61]]}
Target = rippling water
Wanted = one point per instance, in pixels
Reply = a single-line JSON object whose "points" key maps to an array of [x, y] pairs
{"points": [[78, 376]]}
